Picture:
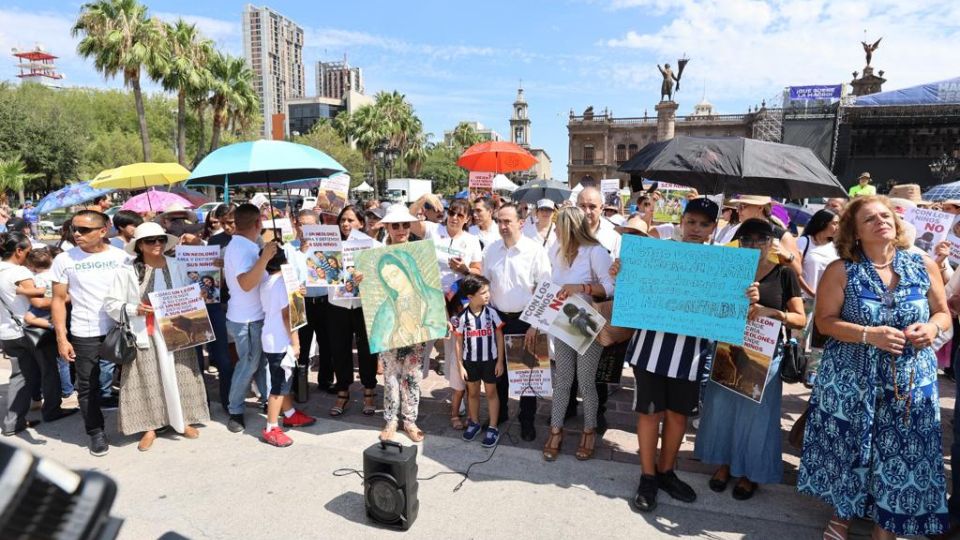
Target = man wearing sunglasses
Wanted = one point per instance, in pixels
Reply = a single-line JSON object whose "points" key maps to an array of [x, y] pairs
{"points": [[85, 273]]}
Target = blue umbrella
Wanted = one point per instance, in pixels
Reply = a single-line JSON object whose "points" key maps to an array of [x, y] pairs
{"points": [[943, 192], [69, 195], [462, 195]]}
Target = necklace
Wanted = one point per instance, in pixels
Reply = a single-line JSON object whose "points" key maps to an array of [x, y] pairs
{"points": [[882, 266]]}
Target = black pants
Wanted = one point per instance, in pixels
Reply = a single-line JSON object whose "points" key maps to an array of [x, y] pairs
{"points": [[342, 325], [46, 358], [528, 404], [24, 372], [87, 362], [318, 308]]}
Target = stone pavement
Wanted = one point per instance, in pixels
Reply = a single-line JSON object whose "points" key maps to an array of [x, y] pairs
{"points": [[216, 487]]}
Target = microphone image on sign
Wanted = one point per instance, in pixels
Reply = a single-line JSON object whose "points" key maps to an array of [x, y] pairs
{"points": [[390, 484]]}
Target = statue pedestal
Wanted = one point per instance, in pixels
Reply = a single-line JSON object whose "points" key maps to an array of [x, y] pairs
{"points": [[666, 118]]}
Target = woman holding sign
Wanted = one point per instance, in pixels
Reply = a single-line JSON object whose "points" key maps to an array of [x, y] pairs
{"points": [[582, 266], [872, 445], [741, 435], [144, 403]]}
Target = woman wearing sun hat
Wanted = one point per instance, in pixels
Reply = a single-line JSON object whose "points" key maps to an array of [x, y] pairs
{"points": [[149, 399], [784, 247]]}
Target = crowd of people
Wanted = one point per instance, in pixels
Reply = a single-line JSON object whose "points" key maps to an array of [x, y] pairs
{"points": [[870, 311]]}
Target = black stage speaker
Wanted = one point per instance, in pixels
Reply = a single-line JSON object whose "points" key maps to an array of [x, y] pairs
{"points": [[390, 484]]}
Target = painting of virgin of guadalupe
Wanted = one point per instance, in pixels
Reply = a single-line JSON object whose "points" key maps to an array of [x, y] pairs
{"points": [[402, 301]]}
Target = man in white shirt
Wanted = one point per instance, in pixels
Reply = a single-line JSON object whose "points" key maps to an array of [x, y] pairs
{"points": [[484, 227], [514, 265], [244, 269], [84, 274]]}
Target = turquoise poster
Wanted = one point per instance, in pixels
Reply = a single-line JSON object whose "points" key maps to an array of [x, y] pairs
{"points": [[687, 289]]}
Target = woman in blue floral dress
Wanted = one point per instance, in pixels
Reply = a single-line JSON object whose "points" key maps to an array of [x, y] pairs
{"points": [[872, 445]]}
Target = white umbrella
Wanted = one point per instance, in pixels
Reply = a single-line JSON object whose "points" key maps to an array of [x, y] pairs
{"points": [[363, 188], [502, 183]]}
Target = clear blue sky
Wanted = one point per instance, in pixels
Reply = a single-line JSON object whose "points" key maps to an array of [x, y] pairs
{"points": [[463, 61]]}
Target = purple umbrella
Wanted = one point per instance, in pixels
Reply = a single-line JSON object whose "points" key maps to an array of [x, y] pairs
{"points": [[154, 201]]}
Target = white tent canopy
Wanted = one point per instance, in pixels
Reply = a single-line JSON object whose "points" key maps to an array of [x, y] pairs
{"points": [[502, 183], [363, 188]]}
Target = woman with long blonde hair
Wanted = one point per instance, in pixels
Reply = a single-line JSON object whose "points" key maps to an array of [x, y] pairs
{"points": [[582, 267]]}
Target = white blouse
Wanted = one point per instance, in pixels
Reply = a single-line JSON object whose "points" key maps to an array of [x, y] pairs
{"points": [[592, 265]]}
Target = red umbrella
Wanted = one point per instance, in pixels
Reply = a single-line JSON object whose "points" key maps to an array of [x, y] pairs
{"points": [[496, 157]]}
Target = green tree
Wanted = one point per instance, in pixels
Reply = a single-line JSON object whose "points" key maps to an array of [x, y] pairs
{"points": [[464, 136], [120, 37], [181, 69], [325, 138], [440, 166], [235, 102], [14, 176]]}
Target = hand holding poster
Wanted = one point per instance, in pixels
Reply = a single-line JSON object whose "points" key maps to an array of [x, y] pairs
{"points": [[182, 317], [932, 227], [568, 318], [297, 307], [283, 225], [332, 196], [355, 243], [686, 289], [203, 269], [324, 255], [746, 369], [528, 372]]}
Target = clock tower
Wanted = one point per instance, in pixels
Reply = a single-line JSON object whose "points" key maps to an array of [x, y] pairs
{"points": [[520, 122]]}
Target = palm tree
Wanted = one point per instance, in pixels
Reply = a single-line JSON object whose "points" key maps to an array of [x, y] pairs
{"points": [[416, 153], [464, 136], [182, 70], [14, 176], [120, 37], [234, 99]]}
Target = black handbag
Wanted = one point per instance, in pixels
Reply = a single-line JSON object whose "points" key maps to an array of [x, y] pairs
{"points": [[120, 344], [34, 335], [793, 365]]}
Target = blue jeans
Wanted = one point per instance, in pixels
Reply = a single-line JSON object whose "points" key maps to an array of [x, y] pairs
{"points": [[219, 351], [106, 378], [66, 383], [252, 363]]}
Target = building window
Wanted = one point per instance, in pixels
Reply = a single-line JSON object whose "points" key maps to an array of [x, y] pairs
{"points": [[632, 150], [621, 153], [588, 154]]}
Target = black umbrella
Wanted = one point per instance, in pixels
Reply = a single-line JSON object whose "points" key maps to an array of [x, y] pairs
{"points": [[535, 190], [736, 165]]}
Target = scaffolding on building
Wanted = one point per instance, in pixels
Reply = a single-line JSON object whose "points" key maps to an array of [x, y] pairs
{"points": [[768, 125]]}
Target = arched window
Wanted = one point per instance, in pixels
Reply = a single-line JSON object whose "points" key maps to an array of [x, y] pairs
{"points": [[621, 153]]}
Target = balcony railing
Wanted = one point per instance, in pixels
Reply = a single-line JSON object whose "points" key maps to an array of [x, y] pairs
{"points": [[652, 120]]}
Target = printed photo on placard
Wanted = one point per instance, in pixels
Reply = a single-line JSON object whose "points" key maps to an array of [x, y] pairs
{"points": [[528, 372], [182, 317], [202, 269], [332, 194], [746, 370], [569, 318], [324, 255], [356, 242], [297, 307]]}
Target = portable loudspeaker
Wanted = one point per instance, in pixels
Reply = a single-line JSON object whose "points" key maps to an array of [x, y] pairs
{"points": [[390, 484]]}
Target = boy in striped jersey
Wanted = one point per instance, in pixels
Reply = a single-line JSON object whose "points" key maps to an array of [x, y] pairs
{"points": [[480, 353]]}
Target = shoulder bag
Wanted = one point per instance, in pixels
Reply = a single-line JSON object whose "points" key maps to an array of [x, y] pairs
{"points": [[793, 364], [120, 344], [35, 335]]}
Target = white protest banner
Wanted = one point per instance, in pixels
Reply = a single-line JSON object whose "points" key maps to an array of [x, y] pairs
{"points": [[182, 317], [281, 224], [932, 227], [324, 255], [480, 181], [202, 269], [746, 370], [528, 372], [297, 307], [356, 242], [332, 195], [610, 189], [954, 238], [568, 318]]}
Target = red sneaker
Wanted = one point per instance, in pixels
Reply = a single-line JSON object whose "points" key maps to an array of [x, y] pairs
{"points": [[276, 437], [298, 419]]}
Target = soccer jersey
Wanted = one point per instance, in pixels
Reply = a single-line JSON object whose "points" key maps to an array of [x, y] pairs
{"points": [[479, 331], [669, 355]]}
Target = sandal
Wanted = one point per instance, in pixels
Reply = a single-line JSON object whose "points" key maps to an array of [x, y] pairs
{"points": [[388, 431], [456, 423], [415, 433], [718, 484], [585, 452], [836, 530], [369, 404], [190, 432], [340, 406], [744, 489], [551, 450], [147, 440]]}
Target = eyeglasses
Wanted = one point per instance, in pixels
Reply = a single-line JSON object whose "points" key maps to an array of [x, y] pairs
{"points": [[754, 241], [457, 215], [150, 240], [76, 229], [398, 226]]}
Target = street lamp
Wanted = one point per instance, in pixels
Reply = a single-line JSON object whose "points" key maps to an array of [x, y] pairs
{"points": [[386, 154], [944, 167]]}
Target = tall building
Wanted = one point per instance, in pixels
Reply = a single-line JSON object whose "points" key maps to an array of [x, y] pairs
{"points": [[334, 79], [273, 45], [520, 134]]}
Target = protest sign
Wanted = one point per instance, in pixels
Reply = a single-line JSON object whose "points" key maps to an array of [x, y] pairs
{"points": [[332, 195], [349, 288], [669, 207], [182, 317], [202, 269], [401, 297], [480, 183], [279, 224], [687, 289], [816, 92], [569, 318], [324, 255], [297, 307], [746, 369], [932, 227], [610, 189], [954, 238], [528, 372]]}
